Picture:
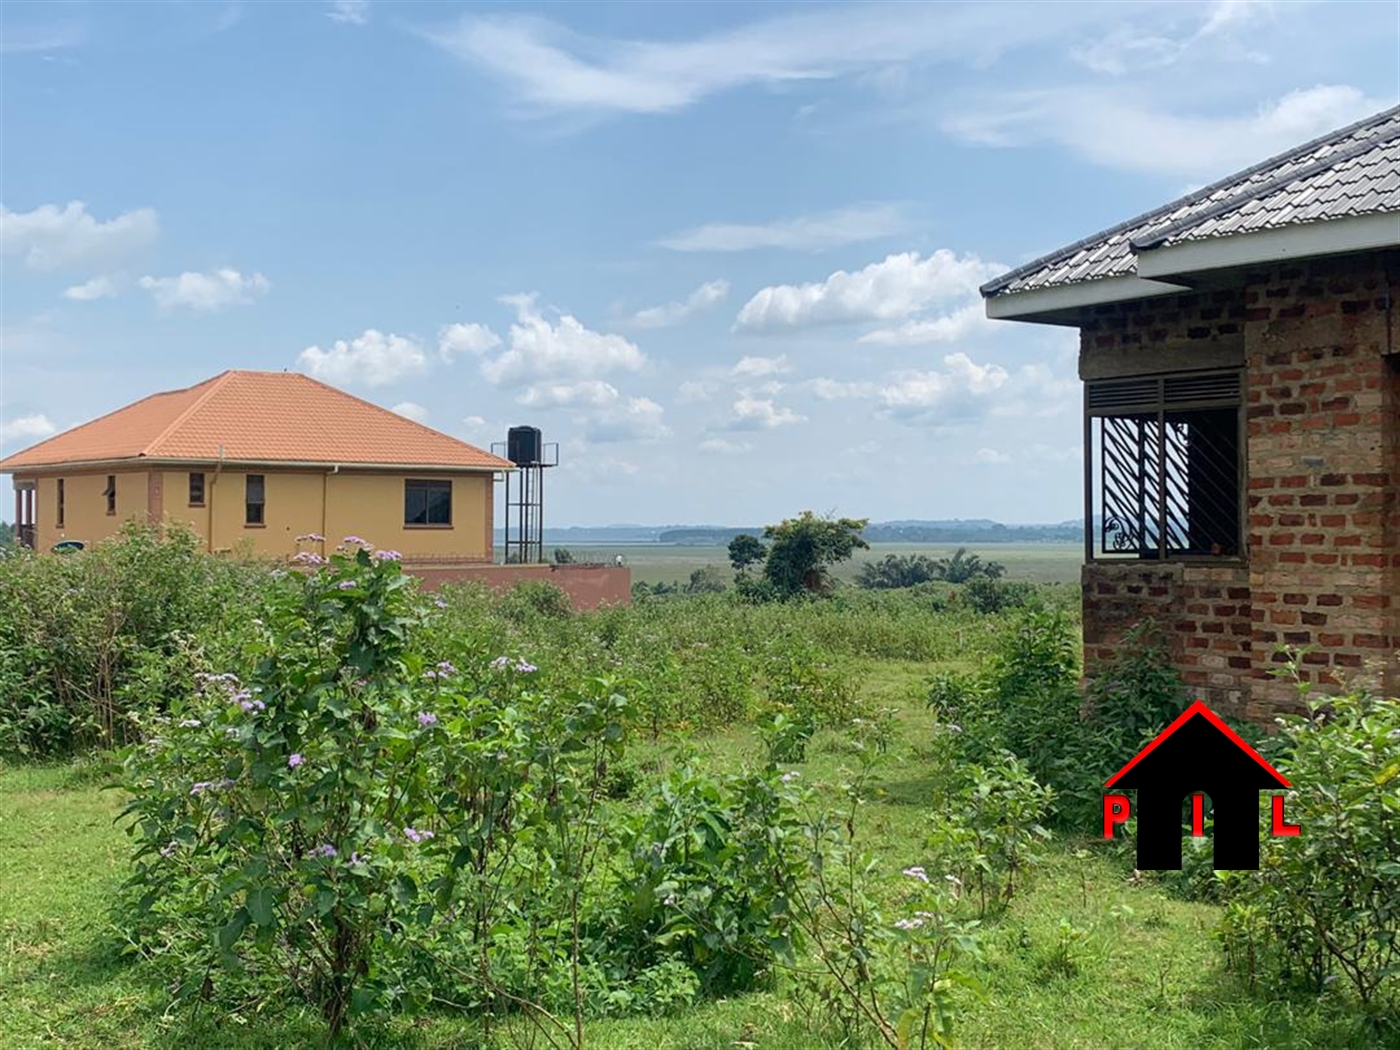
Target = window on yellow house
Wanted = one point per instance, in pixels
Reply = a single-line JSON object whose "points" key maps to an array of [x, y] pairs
{"points": [[427, 502], [196, 489], [58, 518], [254, 500]]}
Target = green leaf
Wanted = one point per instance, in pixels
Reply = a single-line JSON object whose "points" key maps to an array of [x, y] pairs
{"points": [[233, 929], [260, 904]]}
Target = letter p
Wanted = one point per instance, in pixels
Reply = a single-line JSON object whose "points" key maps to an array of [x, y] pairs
{"points": [[1115, 811]]}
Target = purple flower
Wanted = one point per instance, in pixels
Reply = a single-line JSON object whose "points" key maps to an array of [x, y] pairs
{"points": [[190, 723], [500, 663], [210, 785], [414, 835], [908, 924], [427, 718], [252, 705], [440, 603], [308, 558], [295, 760], [356, 541], [789, 776], [324, 850], [387, 556], [311, 537], [346, 585], [445, 668], [525, 667], [917, 873]]}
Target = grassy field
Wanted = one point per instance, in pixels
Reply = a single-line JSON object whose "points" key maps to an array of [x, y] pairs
{"points": [[660, 563], [1139, 968]]}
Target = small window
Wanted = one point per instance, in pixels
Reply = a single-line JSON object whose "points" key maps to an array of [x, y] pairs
{"points": [[253, 500], [196, 490], [1164, 473], [110, 493], [58, 518], [427, 502]]}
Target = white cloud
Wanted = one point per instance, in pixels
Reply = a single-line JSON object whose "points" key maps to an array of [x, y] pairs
{"points": [[549, 68], [1049, 454], [836, 390], [52, 36], [411, 410], [629, 419], [53, 238], [372, 359], [480, 431], [474, 339], [695, 390], [958, 394], [753, 413], [29, 427], [1116, 130], [541, 350], [704, 297], [991, 457], [757, 367], [349, 12], [593, 392], [806, 233], [206, 292], [97, 288], [892, 289], [948, 328], [724, 447]]}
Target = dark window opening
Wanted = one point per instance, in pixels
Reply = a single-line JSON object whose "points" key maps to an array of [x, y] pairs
{"points": [[1165, 473], [196, 490], [427, 503], [58, 518], [254, 500], [110, 493]]}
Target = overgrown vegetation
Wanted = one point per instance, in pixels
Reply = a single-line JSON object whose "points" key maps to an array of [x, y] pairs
{"points": [[490, 813]]}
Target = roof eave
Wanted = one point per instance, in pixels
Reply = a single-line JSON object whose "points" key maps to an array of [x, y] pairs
{"points": [[143, 462], [1360, 233], [1060, 304]]}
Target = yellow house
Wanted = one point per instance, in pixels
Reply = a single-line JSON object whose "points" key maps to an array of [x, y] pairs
{"points": [[252, 460]]}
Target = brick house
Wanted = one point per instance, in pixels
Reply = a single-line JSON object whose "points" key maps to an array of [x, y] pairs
{"points": [[1239, 353]]}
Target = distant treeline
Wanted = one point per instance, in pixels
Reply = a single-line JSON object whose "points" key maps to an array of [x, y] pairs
{"points": [[906, 532]]}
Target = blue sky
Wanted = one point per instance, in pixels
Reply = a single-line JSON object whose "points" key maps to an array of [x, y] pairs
{"points": [[725, 254]]}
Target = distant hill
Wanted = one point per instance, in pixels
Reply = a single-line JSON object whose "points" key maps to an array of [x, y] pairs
{"points": [[956, 530]]}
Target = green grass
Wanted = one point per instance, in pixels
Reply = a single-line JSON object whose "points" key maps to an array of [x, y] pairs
{"points": [[1145, 972], [662, 563]]}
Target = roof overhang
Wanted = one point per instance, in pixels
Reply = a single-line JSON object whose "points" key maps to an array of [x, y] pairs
{"points": [[1061, 304], [1361, 233], [147, 463]]}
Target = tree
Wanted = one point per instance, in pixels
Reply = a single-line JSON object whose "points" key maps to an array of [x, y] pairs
{"points": [[803, 549], [563, 556], [897, 570], [962, 567], [746, 550], [707, 580]]}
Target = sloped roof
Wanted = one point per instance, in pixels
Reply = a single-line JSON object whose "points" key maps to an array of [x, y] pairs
{"points": [[1349, 173], [256, 417]]}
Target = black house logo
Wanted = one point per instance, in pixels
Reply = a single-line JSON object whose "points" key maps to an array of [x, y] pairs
{"points": [[1197, 755]]}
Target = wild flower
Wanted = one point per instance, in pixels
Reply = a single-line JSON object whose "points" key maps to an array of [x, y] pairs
{"points": [[789, 776], [525, 667], [324, 850], [210, 785], [426, 719], [908, 924], [445, 668], [416, 836], [169, 848], [356, 541], [916, 873], [500, 663], [440, 603], [387, 556], [250, 706], [346, 585], [311, 537], [190, 723], [295, 760], [308, 558]]}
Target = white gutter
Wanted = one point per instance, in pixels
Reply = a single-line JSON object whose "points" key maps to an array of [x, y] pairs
{"points": [[1301, 241], [1037, 303]]}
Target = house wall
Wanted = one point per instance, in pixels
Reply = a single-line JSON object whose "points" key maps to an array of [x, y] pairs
{"points": [[1317, 342], [85, 507], [345, 503]]}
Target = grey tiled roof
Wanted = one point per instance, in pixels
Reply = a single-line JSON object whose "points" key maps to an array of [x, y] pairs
{"points": [[1351, 172]]}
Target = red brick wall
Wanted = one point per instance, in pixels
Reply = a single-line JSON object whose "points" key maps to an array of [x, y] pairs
{"points": [[588, 586], [1203, 611], [1318, 343]]}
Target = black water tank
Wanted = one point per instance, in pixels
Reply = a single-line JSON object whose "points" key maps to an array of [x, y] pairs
{"points": [[523, 446]]}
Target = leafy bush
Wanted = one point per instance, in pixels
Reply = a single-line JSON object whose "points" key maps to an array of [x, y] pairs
{"points": [[1325, 905], [988, 595], [894, 571], [90, 639]]}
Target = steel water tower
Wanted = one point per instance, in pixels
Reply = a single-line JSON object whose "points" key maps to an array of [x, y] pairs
{"points": [[524, 503]]}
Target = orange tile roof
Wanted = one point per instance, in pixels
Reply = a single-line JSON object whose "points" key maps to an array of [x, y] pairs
{"points": [[256, 417]]}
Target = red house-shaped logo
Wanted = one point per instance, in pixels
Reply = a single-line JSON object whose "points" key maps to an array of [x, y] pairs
{"points": [[1197, 754]]}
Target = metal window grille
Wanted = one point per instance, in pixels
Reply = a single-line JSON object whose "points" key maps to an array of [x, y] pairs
{"points": [[1164, 477]]}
